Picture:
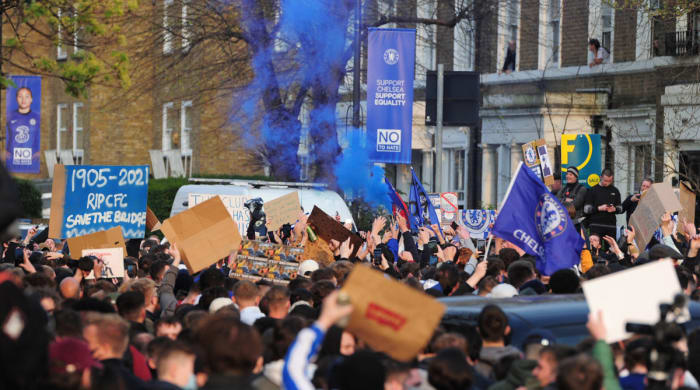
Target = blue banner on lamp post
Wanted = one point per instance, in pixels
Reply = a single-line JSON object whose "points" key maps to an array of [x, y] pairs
{"points": [[391, 57]]}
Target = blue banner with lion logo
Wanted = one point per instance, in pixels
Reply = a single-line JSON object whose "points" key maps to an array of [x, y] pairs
{"points": [[532, 218], [22, 142]]}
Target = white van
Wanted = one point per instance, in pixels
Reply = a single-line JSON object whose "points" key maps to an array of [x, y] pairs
{"points": [[310, 195]]}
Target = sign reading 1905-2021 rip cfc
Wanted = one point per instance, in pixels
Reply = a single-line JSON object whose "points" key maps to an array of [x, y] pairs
{"points": [[91, 198]]}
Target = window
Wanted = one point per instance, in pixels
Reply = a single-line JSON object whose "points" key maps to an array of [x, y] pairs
{"points": [[458, 174], [607, 16], [168, 35], [554, 26], [78, 133], [63, 141], [61, 52], [168, 122], [642, 164], [425, 40], [76, 32], [513, 19], [186, 128], [186, 34]]}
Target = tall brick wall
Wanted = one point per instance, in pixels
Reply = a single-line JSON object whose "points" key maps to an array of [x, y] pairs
{"points": [[625, 37], [574, 32], [529, 31]]}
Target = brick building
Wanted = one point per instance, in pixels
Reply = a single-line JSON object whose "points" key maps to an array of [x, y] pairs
{"points": [[174, 114]]}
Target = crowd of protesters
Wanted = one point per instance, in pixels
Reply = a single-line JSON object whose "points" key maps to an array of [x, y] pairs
{"points": [[160, 327]]}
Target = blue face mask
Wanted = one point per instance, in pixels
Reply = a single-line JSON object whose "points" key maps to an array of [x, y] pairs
{"points": [[192, 384]]}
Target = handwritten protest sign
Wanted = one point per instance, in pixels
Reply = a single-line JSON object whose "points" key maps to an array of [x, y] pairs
{"points": [[284, 209], [111, 238], [113, 259], [328, 228], [204, 234], [449, 208], [687, 198], [478, 222], [92, 198], [656, 201], [234, 205], [390, 316], [603, 294], [537, 159]]}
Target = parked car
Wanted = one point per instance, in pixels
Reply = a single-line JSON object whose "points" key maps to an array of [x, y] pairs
{"points": [[563, 315]]}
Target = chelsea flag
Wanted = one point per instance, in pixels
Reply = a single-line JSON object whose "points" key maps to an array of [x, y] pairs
{"points": [[532, 218], [390, 62]]}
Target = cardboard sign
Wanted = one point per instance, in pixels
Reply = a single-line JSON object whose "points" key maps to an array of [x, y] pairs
{"points": [[152, 222], [584, 152], [537, 159], [478, 222], [234, 205], [111, 238], [328, 228], [449, 207], [284, 209], [113, 259], [390, 316], [318, 251], [687, 198], [91, 198], [656, 201], [204, 234], [618, 309]]}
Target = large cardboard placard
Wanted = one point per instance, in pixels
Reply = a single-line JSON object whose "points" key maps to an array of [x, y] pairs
{"points": [[328, 228], [319, 251], [91, 198], [687, 198], [111, 238], [656, 201], [234, 205], [152, 221], [204, 234], [390, 316], [639, 303], [113, 259], [284, 209]]}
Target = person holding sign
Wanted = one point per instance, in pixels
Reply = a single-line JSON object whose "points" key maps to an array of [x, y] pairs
{"points": [[601, 204], [630, 204]]}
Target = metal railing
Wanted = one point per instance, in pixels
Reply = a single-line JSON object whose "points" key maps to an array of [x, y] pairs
{"points": [[682, 43]]}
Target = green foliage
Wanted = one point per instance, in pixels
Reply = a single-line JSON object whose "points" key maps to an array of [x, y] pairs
{"points": [[30, 197]]}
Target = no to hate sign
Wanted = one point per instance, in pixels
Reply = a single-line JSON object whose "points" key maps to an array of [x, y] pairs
{"points": [[91, 198]]}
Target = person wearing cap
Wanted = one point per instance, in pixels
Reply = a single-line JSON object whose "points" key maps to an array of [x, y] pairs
{"points": [[631, 202], [72, 362], [601, 204], [573, 192]]}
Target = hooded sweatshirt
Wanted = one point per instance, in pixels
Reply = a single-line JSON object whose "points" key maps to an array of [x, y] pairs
{"points": [[490, 356]]}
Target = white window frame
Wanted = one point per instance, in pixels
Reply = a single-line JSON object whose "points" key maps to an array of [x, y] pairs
{"points": [[426, 53], [464, 37], [168, 36], [186, 33], [76, 30], [61, 52], [605, 7], [184, 129], [167, 134], [76, 128], [509, 12], [548, 57], [59, 120]]}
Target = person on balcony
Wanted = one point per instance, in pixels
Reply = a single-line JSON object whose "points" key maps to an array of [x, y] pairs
{"points": [[600, 54]]}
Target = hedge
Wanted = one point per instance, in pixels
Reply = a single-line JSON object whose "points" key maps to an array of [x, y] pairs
{"points": [[30, 198], [161, 192]]}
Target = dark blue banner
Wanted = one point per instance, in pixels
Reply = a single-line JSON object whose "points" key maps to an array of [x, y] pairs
{"points": [[391, 57], [99, 197], [23, 133]]}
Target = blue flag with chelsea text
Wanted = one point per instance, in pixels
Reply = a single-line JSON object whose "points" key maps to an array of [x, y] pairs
{"points": [[420, 209], [532, 218]]}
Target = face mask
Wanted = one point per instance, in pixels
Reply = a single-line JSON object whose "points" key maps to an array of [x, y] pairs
{"points": [[191, 384]]}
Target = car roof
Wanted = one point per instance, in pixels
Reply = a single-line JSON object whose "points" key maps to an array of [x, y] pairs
{"points": [[563, 315]]}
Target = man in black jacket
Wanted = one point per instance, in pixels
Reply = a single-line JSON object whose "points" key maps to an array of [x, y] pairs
{"points": [[601, 204], [573, 192], [630, 204]]}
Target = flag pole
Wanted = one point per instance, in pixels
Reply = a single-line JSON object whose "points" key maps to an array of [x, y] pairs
{"points": [[510, 187]]}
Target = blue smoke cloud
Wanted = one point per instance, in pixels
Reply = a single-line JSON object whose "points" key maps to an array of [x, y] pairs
{"points": [[318, 43]]}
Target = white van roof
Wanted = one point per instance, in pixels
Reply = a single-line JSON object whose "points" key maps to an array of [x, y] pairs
{"points": [[309, 195]]}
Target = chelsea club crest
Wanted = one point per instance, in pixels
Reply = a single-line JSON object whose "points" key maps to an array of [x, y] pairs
{"points": [[550, 217]]}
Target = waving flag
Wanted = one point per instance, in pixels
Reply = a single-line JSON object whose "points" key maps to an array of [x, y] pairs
{"points": [[397, 204], [421, 210], [532, 218]]}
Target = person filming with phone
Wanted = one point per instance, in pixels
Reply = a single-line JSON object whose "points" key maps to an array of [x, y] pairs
{"points": [[630, 204], [601, 204]]}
